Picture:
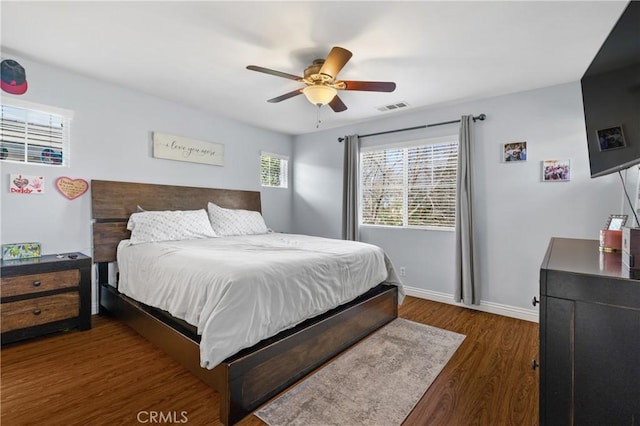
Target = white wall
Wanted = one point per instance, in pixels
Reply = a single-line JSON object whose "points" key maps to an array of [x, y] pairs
{"points": [[111, 140], [516, 213]]}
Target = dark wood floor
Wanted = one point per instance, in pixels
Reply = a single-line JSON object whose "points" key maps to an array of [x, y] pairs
{"points": [[110, 375]]}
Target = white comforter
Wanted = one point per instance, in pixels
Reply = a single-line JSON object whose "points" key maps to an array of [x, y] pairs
{"points": [[240, 290]]}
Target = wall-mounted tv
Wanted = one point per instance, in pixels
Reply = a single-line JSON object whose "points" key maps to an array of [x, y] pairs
{"points": [[611, 97]]}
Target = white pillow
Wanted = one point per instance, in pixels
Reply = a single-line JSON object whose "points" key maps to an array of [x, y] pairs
{"points": [[176, 225], [227, 222]]}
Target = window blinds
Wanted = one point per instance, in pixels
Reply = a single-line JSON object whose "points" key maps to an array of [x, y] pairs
{"points": [[410, 186], [274, 170], [32, 136]]}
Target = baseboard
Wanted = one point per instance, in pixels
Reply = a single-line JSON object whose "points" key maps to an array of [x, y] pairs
{"points": [[490, 307]]}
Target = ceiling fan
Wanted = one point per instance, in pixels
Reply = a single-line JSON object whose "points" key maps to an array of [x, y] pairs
{"points": [[321, 86]]}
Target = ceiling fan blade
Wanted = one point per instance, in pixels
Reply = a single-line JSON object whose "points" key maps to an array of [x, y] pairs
{"points": [[336, 59], [337, 105], [370, 86], [285, 96], [274, 72]]}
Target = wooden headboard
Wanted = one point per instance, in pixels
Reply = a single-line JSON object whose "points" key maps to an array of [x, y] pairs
{"points": [[113, 202]]}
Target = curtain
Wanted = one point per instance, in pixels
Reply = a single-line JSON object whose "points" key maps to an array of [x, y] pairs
{"points": [[467, 283], [350, 188]]}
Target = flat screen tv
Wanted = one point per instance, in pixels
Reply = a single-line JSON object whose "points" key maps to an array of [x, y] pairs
{"points": [[611, 97]]}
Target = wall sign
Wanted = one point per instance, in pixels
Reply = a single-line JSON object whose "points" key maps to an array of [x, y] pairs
{"points": [[178, 148], [71, 188], [26, 184]]}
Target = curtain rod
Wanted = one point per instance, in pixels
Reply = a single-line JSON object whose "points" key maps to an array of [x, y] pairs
{"points": [[480, 117]]}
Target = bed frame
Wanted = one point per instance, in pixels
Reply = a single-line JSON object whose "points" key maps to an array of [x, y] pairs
{"points": [[252, 376]]}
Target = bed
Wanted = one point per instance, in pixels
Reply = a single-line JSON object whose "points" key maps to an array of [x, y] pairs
{"points": [[249, 377]]}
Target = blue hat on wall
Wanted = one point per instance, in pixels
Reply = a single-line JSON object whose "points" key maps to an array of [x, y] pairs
{"points": [[14, 79]]}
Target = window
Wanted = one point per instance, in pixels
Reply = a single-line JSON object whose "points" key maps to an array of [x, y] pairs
{"points": [[34, 134], [274, 170], [411, 185]]}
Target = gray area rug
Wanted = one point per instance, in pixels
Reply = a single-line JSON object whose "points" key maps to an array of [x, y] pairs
{"points": [[375, 383]]}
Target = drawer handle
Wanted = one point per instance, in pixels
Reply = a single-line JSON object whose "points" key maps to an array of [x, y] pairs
{"points": [[37, 283], [37, 312], [535, 301], [534, 364]]}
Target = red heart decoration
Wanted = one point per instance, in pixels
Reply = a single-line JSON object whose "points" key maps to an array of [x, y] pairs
{"points": [[71, 188]]}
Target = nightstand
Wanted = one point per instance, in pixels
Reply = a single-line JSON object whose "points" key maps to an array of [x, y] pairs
{"points": [[43, 295]]}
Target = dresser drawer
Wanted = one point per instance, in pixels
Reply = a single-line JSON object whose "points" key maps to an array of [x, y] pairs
{"points": [[27, 284], [37, 311]]}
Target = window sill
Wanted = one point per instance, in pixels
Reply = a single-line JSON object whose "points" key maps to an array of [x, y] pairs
{"points": [[409, 228], [274, 187]]}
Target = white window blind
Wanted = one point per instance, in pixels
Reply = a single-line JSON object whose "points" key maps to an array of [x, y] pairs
{"points": [[412, 186], [29, 135], [274, 170]]}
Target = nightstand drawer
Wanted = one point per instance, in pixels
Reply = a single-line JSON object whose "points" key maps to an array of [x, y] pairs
{"points": [[27, 284], [42, 310]]}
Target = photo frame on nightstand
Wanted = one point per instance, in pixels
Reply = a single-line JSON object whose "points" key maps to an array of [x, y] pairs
{"points": [[616, 222]]}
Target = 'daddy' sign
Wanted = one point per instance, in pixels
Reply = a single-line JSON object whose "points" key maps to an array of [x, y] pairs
{"points": [[26, 184]]}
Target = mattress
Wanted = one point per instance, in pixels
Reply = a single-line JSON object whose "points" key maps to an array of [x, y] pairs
{"points": [[240, 290]]}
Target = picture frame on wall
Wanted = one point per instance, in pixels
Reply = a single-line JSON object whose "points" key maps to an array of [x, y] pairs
{"points": [[611, 138], [514, 152], [556, 170]]}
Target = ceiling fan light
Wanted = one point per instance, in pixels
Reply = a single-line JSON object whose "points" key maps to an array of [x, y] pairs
{"points": [[319, 94]]}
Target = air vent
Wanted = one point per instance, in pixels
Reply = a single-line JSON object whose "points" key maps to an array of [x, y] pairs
{"points": [[392, 107]]}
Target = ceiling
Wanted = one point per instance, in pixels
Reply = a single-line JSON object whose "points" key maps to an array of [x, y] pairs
{"points": [[196, 53]]}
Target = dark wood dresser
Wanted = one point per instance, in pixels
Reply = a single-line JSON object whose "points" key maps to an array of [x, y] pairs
{"points": [[589, 337], [44, 295]]}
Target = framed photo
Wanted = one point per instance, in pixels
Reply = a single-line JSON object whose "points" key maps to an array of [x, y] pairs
{"points": [[616, 222], [611, 138], [514, 151], [556, 171]]}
